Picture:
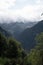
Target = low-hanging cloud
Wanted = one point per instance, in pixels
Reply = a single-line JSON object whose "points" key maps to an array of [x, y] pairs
{"points": [[28, 11]]}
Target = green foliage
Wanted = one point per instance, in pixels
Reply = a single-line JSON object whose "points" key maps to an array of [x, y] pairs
{"points": [[3, 44], [11, 52], [3, 60], [36, 54], [39, 38], [35, 58], [14, 48]]}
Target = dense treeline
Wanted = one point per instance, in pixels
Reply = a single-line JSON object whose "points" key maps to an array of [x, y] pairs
{"points": [[12, 53], [12, 50], [35, 57]]}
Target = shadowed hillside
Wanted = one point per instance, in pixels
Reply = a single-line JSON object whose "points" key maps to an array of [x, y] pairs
{"points": [[4, 32], [27, 37]]}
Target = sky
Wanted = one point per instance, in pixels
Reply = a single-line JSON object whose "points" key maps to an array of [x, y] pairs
{"points": [[24, 9]]}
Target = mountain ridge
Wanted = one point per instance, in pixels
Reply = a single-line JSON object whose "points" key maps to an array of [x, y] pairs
{"points": [[4, 32], [27, 38], [16, 28]]}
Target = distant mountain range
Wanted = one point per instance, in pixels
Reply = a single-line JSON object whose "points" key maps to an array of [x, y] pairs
{"points": [[4, 32], [27, 37], [23, 32], [16, 28]]}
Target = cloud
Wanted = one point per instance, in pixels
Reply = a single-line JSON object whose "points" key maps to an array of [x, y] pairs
{"points": [[5, 7], [28, 11], [5, 4]]}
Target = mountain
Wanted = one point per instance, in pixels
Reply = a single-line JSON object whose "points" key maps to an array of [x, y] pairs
{"points": [[16, 28], [27, 37], [4, 32]]}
